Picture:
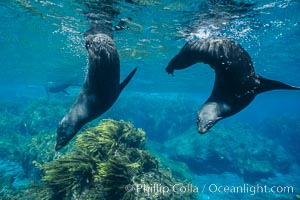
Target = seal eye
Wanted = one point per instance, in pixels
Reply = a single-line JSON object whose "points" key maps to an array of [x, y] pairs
{"points": [[210, 124]]}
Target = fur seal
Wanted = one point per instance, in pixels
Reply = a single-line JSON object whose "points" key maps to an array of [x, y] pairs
{"points": [[58, 87], [100, 89], [236, 83]]}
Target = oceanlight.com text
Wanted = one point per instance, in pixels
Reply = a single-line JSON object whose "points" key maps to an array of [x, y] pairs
{"points": [[248, 189], [181, 188]]}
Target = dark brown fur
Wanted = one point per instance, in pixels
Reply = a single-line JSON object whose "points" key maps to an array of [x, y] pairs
{"points": [[236, 83], [100, 90]]}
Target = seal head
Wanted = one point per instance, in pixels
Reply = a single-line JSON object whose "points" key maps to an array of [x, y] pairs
{"points": [[236, 83], [209, 115]]}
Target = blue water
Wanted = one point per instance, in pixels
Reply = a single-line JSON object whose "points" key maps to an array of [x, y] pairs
{"points": [[43, 41]]}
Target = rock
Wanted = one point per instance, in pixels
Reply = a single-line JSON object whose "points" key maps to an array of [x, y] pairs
{"points": [[238, 149]]}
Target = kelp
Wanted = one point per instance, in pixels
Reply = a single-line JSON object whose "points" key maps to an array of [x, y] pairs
{"points": [[105, 160]]}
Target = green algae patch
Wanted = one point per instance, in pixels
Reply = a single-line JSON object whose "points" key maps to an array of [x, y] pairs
{"points": [[108, 161]]}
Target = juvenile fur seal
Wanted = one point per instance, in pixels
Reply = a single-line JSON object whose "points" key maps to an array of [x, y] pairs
{"points": [[236, 83], [100, 90], [58, 87]]}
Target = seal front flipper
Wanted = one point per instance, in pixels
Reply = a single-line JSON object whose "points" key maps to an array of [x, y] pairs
{"points": [[127, 79], [267, 85]]}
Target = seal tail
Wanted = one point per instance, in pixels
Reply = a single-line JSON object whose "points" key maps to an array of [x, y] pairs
{"points": [[127, 79], [267, 85]]}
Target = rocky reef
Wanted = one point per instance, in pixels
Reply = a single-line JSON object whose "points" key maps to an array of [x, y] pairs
{"points": [[111, 160], [285, 128], [161, 117], [236, 149], [41, 115]]}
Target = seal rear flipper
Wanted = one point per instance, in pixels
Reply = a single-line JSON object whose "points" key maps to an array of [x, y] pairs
{"points": [[267, 85], [127, 79]]}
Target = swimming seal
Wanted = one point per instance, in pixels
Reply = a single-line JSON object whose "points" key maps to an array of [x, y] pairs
{"points": [[236, 83], [100, 90], [58, 87]]}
